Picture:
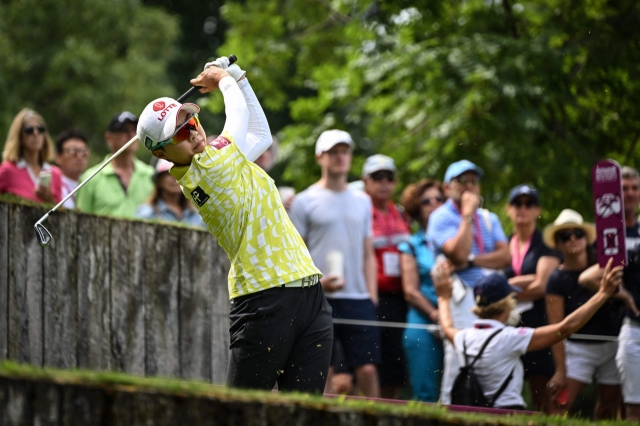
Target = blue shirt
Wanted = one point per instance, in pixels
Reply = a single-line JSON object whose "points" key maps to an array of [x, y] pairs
{"points": [[163, 212], [417, 247], [443, 226]]}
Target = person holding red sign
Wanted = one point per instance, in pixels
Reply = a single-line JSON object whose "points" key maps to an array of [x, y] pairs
{"points": [[628, 356]]}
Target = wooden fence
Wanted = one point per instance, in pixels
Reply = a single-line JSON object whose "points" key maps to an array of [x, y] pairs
{"points": [[109, 294]]}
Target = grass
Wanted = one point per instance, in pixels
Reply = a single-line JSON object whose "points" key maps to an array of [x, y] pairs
{"points": [[202, 389]]}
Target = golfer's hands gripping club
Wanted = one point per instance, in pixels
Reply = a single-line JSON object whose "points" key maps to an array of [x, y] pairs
{"points": [[209, 79], [228, 65]]}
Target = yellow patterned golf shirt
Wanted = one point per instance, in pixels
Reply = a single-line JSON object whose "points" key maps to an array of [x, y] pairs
{"points": [[241, 207]]}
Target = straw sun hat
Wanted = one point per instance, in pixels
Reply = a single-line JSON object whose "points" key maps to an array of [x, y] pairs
{"points": [[568, 219]]}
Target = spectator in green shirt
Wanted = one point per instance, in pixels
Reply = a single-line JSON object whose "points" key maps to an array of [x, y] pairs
{"points": [[123, 184]]}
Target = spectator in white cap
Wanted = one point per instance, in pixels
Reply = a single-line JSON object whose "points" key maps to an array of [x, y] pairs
{"points": [[389, 230], [335, 222], [473, 240], [168, 203]]}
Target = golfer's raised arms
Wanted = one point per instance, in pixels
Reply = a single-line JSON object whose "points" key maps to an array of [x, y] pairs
{"points": [[246, 121]]}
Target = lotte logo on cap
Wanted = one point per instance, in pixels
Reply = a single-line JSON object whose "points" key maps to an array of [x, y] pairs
{"points": [[158, 106]]}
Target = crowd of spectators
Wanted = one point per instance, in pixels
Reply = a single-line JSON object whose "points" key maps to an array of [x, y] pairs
{"points": [[380, 259]]}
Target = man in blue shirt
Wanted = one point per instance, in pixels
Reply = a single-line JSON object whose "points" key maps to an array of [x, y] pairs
{"points": [[470, 237]]}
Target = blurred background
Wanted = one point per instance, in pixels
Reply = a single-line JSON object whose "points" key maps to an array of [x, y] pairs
{"points": [[532, 91]]}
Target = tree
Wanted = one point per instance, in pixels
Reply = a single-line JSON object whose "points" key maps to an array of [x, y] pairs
{"points": [[532, 91], [78, 62]]}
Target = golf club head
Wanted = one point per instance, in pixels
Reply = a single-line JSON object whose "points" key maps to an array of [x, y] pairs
{"points": [[43, 235]]}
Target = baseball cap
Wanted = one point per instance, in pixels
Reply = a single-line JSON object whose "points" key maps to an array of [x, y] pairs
{"points": [[118, 121], [161, 167], [492, 288], [459, 167], [524, 189], [330, 138], [159, 119], [376, 163]]}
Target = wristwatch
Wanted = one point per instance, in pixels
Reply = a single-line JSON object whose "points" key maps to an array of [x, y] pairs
{"points": [[470, 260], [468, 219]]}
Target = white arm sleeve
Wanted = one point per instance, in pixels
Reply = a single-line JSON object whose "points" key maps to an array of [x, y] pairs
{"points": [[258, 134], [235, 108]]}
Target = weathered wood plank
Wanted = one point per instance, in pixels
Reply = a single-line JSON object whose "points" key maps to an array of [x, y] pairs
{"points": [[4, 278], [61, 292], [127, 296], [195, 304], [161, 281], [16, 402], [220, 314], [94, 293], [25, 342]]}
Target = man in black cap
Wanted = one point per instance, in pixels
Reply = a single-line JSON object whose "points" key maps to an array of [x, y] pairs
{"points": [[123, 184]]}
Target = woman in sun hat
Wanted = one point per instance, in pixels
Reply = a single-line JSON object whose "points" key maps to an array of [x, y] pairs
{"points": [[578, 360]]}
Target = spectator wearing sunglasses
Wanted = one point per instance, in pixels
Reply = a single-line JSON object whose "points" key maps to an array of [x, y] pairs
{"points": [[389, 230], [168, 203], [473, 240], [423, 348], [123, 184], [628, 356], [578, 361], [25, 171], [72, 156], [532, 262]]}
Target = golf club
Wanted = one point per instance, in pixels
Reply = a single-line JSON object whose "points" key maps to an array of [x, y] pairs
{"points": [[43, 235]]}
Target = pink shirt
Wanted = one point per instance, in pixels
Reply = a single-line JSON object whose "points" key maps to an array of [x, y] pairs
{"points": [[17, 179]]}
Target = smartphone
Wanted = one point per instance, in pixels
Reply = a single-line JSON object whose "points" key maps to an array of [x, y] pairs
{"points": [[44, 178]]}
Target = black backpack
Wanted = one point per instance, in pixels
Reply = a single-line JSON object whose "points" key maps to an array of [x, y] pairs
{"points": [[466, 388]]}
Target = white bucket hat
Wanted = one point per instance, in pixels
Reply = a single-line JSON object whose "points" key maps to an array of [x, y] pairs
{"points": [[159, 120], [568, 219]]}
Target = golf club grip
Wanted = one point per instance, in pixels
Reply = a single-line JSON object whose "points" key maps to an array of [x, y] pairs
{"points": [[194, 89]]}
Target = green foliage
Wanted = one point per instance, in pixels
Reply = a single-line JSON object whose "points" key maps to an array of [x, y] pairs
{"points": [[533, 91], [78, 62]]}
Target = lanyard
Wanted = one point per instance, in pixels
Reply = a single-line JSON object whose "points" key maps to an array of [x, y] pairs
{"points": [[477, 235], [516, 259]]}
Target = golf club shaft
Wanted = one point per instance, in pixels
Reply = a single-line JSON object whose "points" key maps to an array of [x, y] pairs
{"points": [[181, 99]]}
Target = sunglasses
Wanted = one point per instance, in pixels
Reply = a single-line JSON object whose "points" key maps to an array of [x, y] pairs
{"points": [[529, 203], [183, 132], [465, 180], [427, 201], [383, 174], [80, 152], [566, 235], [29, 130]]}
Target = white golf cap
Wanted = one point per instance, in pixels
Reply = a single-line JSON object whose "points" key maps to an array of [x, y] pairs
{"points": [[159, 120], [378, 162], [330, 138]]}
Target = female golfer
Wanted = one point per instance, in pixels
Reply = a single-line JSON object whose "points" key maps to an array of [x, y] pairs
{"points": [[280, 323]]}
